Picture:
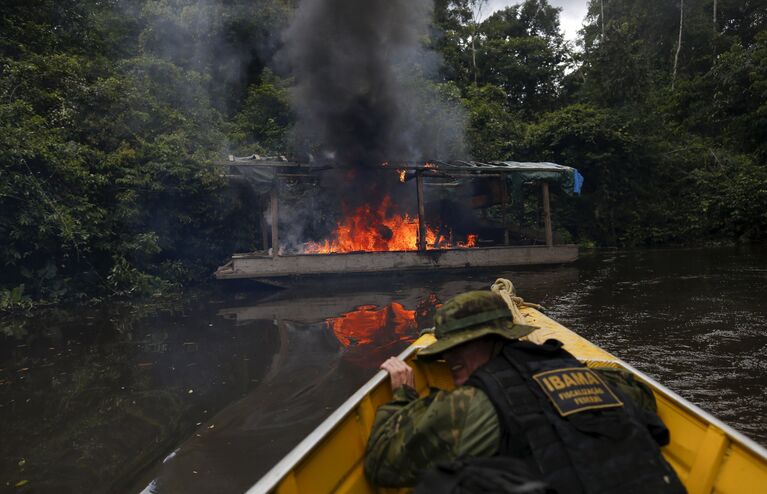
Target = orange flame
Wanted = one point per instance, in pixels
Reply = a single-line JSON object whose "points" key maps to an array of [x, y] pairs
{"points": [[402, 174], [471, 241], [381, 230]]}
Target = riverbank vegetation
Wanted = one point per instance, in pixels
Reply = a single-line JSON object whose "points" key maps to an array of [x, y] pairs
{"points": [[112, 114]]}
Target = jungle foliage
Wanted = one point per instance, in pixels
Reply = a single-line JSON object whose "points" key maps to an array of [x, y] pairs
{"points": [[112, 113], [669, 136]]}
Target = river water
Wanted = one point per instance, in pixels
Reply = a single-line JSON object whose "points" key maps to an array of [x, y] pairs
{"points": [[205, 395]]}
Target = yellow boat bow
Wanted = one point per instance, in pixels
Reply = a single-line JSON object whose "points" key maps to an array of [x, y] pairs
{"points": [[708, 455]]}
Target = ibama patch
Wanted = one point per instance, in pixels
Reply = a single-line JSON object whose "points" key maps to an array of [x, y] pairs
{"points": [[576, 389]]}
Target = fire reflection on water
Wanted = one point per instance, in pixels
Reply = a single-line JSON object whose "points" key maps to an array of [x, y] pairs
{"points": [[370, 329], [360, 326]]}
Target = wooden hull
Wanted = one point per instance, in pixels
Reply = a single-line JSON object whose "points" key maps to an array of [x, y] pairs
{"points": [[708, 455], [261, 266]]}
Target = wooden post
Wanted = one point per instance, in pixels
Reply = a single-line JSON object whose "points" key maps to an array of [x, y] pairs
{"points": [[275, 219], [264, 228], [421, 214], [547, 214], [505, 206]]}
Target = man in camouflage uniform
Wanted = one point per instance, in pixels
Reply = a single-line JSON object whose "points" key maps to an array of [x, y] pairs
{"points": [[553, 422]]}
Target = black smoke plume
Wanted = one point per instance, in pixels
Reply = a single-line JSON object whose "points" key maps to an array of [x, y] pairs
{"points": [[362, 92], [363, 95]]}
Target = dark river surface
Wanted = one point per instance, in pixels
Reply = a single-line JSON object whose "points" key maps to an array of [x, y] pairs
{"points": [[207, 394]]}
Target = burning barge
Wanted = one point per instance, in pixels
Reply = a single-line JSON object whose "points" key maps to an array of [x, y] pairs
{"points": [[465, 222]]}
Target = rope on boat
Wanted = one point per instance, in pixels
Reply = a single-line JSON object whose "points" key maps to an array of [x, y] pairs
{"points": [[505, 288]]}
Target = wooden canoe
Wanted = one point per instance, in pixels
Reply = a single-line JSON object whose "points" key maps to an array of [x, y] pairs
{"points": [[708, 455]]}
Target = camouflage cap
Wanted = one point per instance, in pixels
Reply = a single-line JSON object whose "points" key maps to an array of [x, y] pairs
{"points": [[469, 316]]}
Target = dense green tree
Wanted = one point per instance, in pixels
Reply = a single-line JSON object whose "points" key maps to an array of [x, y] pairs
{"points": [[453, 26], [699, 137], [230, 41], [106, 146], [265, 118], [600, 145], [521, 51], [493, 133]]}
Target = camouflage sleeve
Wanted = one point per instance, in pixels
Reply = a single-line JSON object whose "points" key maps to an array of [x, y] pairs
{"points": [[642, 396], [411, 435], [637, 391]]}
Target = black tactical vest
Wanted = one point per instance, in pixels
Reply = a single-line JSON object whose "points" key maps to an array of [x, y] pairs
{"points": [[581, 434]]}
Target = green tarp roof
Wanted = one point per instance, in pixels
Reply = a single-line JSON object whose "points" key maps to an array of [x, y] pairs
{"points": [[261, 172]]}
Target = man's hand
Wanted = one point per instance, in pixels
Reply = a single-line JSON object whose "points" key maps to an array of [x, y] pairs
{"points": [[399, 372]]}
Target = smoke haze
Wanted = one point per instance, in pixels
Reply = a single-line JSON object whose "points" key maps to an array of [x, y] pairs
{"points": [[362, 94]]}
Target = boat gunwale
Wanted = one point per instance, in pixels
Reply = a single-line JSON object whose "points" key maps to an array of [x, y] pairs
{"points": [[274, 476]]}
